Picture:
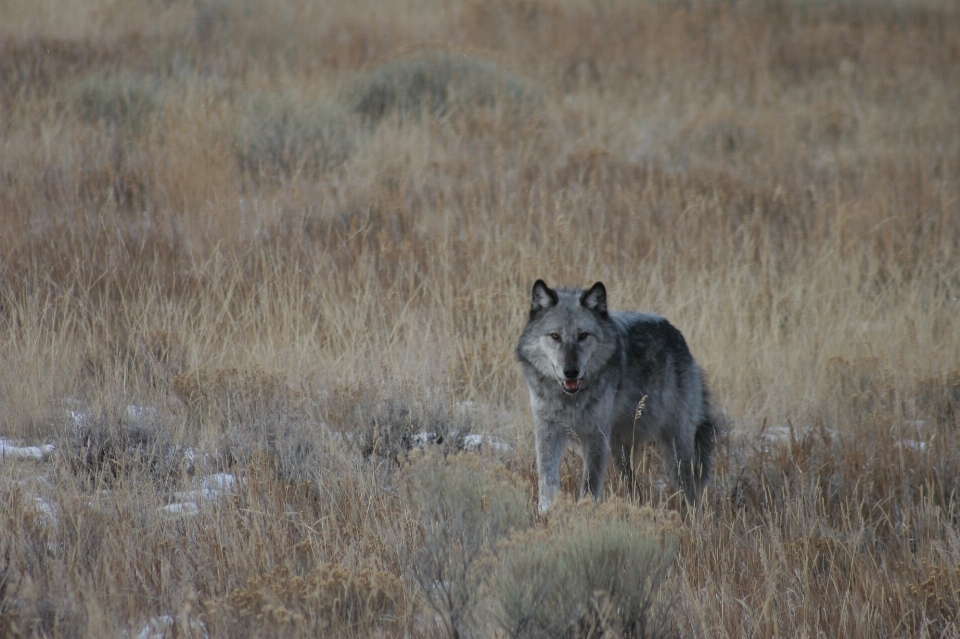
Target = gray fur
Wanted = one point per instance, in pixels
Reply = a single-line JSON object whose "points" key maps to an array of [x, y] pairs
{"points": [[588, 370]]}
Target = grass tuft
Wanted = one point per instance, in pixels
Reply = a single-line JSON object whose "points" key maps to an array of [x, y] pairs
{"points": [[329, 599]]}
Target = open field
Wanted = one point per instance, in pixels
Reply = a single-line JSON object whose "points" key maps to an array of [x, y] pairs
{"points": [[263, 265]]}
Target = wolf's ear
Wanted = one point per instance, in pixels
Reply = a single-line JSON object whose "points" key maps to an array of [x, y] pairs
{"points": [[543, 297], [595, 299]]}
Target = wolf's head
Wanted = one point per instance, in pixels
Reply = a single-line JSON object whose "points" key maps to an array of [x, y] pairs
{"points": [[569, 336]]}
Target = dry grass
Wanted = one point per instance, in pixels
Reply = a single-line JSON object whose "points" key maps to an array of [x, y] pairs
{"points": [[235, 288]]}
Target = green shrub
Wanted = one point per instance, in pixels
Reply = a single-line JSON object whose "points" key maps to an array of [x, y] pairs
{"points": [[592, 572], [439, 83], [279, 133]]}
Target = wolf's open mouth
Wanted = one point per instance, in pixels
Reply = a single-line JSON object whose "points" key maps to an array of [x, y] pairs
{"points": [[571, 385]]}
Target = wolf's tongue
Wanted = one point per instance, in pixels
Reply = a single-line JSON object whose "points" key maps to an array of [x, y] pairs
{"points": [[571, 384]]}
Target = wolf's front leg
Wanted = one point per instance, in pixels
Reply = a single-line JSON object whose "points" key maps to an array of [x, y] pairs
{"points": [[596, 452], [551, 442]]}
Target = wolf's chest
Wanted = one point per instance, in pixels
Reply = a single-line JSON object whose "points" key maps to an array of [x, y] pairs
{"points": [[578, 414]]}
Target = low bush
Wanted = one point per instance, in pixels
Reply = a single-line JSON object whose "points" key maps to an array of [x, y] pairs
{"points": [[282, 134], [466, 506], [591, 572], [439, 83], [125, 99], [391, 420], [254, 416], [110, 445]]}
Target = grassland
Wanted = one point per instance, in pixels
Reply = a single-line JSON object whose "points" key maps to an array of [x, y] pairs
{"points": [[263, 264]]}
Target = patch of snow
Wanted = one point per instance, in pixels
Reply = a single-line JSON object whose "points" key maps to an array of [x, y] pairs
{"points": [[165, 626], [197, 461], [80, 419], [472, 442], [181, 508], [220, 481], [868, 326], [777, 433], [157, 628], [424, 438], [912, 444], [467, 407], [138, 414], [45, 508], [39, 453], [477, 441], [196, 495], [210, 488]]}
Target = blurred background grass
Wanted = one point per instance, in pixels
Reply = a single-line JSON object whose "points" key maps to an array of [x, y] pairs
{"points": [[292, 241]]}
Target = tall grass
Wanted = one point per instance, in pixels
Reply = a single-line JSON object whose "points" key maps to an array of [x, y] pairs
{"points": [[237, 299]]}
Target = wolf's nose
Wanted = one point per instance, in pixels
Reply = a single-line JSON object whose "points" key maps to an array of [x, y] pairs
{"points": [[571, 373]]}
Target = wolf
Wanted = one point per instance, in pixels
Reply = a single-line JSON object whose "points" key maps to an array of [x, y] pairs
{"points": [[607, 382]]}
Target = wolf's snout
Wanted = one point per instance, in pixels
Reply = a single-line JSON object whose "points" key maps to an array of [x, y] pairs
{"points": [[571, 383]]}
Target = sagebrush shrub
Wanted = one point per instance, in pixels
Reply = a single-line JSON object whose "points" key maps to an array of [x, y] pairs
{"points": [[123, 99], [466, 505], [279, 133], [593, 571], [438, 83], [108, 445]]}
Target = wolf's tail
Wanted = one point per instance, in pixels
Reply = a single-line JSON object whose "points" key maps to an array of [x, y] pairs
{"points": [[704, 445], [704, 441]]}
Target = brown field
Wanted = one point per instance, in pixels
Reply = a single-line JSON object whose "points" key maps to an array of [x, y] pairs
{"points": [[263, 265]]}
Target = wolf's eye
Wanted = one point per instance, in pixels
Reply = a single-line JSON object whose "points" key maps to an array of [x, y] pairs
{"points": [[583, 336], [555, 336]]}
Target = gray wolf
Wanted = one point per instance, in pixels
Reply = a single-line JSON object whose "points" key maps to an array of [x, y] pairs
{"points": [[589, 370]]}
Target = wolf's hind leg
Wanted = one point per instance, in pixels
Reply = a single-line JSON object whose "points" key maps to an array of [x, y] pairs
{"points": [[681, 461]]}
